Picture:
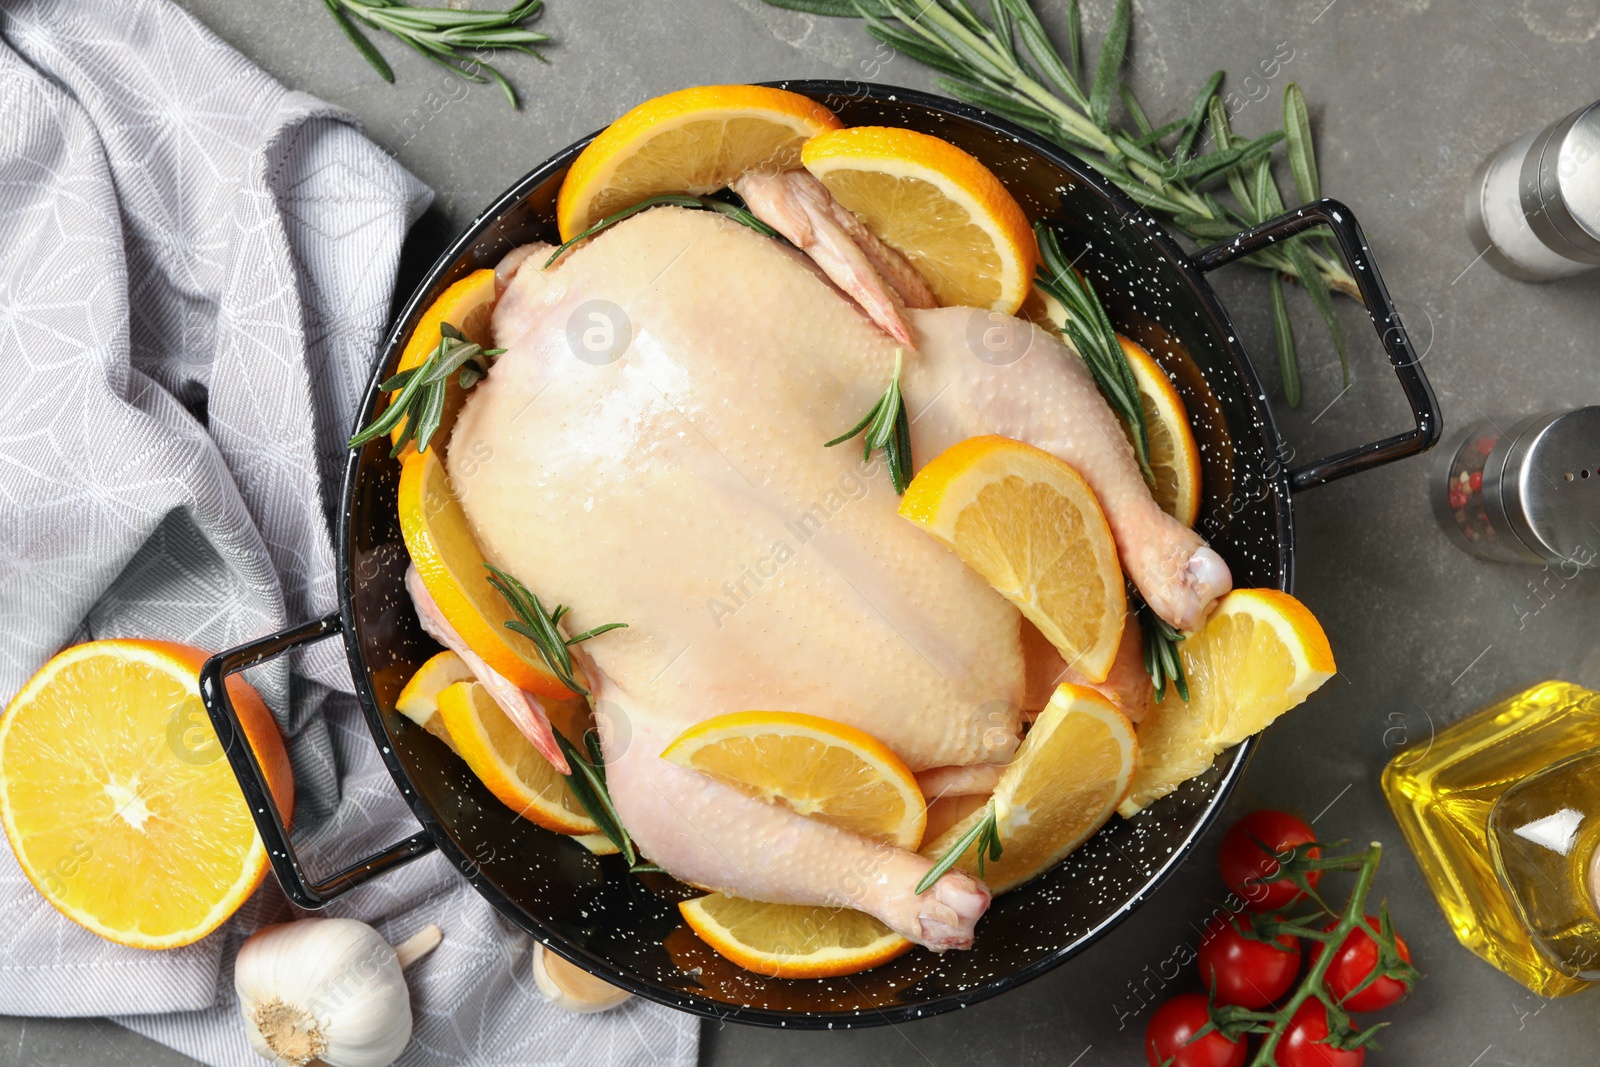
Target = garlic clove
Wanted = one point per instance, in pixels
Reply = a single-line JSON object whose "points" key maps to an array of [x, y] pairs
{"points": [[329, 990], [570, 987]]}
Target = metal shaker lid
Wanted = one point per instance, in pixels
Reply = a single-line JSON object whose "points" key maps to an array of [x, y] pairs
{"points": [[1560, 185], [1550, 485]]}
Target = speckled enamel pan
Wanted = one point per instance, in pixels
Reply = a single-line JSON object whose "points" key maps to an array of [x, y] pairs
{"points": [[626, 928]]}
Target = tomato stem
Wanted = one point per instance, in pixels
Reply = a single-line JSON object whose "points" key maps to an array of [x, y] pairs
{"points": [[1313, 983]]}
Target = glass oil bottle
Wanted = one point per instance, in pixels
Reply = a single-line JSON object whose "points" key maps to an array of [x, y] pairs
{"points": [[1502, 811]]}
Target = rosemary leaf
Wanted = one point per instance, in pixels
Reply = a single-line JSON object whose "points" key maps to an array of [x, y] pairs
{"points": [[1222, 133], [1091, 333], [1321, 298], [1197, 117], [1269, 202], [704, 203], [456, 39], [887, 429], [1241, 155], [1021, 113], [1075, 39], [984, 833], [1302, 156], [1038, 46], [539, 627], [914, 47], [835, 8], [1004, 29], [1159, 134], [738, 214], [1288, 368], [1161, 660], [596, 631], [1144, 197], [1112, 53], [587, 782], [359, 39], [1204, 227], [421, 397], [673, 199], [1135, 111]]}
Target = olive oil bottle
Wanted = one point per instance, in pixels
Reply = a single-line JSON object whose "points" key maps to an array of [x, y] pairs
{"points": [[1502, 811]]}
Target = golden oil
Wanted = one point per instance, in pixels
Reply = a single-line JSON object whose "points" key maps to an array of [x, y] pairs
{"points": [[1534, 916]]}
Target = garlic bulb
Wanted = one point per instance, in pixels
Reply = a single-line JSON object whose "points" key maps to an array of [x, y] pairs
{"points": [[329, 990], [572, 988]]}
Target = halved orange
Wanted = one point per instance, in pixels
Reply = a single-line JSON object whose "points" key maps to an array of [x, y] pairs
{"points": [[468, 305], [694, 140], [452, 568], [507, 763], [117, 799], [1261, 653], [937, 206], [1069, 774], [1032, 527], [792, 940], [815, 766]]}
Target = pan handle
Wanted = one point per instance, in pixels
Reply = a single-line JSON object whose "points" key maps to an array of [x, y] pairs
{"points": [[269, 821], [1357, 256]]}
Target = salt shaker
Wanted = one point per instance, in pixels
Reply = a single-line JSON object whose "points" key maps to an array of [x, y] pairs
{"points": [[1533, 208], [1528, 494]]}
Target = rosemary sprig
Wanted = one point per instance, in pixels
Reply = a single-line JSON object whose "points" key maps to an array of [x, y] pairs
{"points": [[422, 390], [1161, 654], [588, 783], [454, 38], [985, 833], [1007, 64], [887, 428], [705, 203], [1091, 333], [541, 627]]}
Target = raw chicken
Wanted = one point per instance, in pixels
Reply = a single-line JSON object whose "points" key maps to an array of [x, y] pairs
{"points": [[649, 450]]}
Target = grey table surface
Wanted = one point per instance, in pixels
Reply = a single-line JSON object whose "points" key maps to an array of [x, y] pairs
{"points": [[1407, 97]]}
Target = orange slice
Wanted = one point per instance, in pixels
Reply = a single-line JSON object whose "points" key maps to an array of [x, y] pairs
{"points": [[468, 305], [452, 568], [119, 804], [818, 767], [503, 759], [419, 700], [792, 940], [1069, 774], [1261, 653], [937, 206], [692, 141], [1174, 456], [1031, 526]]}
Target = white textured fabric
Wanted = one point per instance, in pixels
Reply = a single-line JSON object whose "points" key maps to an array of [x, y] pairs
{"points": [[196, 272]]}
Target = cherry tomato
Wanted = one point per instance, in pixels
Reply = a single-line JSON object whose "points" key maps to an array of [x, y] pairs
{"points": [[1248, 869], [1246, 972], [1167, 1040], [1302, 1042], [1356, 958]]}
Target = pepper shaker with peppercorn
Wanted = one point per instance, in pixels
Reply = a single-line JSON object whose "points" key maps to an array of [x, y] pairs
{"points": [[1526, 494]]}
